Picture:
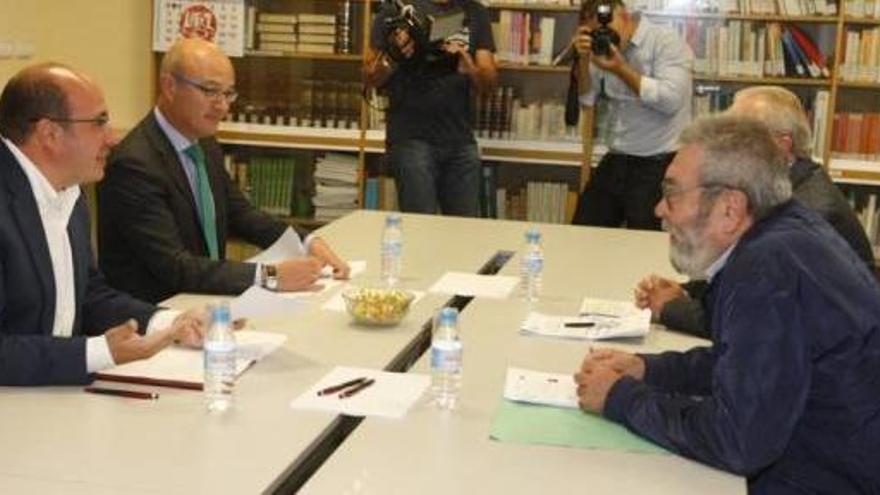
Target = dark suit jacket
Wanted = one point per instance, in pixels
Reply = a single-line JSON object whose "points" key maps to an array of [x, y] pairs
{"points": [[150, 238], [810, 185], [29, 354]]}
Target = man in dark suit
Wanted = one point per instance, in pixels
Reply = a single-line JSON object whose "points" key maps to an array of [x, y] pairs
{"points": [[59, 321], [679, 306], [167, 205]]}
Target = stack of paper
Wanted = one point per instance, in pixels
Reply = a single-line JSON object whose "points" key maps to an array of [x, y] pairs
{"points": [[336, 186], [598, 319], [535, 387]]}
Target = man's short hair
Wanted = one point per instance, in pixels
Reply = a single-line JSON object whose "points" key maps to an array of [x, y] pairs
{"points": [[740, 153], [30, 95], [783, 113]]}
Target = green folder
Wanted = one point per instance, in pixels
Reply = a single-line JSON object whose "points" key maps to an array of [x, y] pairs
{"points": [[546, 425]]}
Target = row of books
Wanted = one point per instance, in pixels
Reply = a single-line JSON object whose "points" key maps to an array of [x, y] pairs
{"points": [[855, 135], [534, 201], [752, 49], [863, 9], [865, 206], [753, 7], [559, 3], [313, 103], [268, 182], [502, 115], [284, 33], [861, 55], [524, 37]]}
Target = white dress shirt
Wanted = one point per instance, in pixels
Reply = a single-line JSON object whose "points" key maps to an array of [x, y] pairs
{"points": [[55, 208]]}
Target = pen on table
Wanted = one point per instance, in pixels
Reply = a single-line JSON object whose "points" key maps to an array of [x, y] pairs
{"points": [[350, 392], [336, 388], [601, 315], [579, 324], [130, 394]]}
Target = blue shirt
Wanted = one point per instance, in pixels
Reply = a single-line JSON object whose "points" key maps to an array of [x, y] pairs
{"points": [[789, 393], [648, 123], [181, 143]]}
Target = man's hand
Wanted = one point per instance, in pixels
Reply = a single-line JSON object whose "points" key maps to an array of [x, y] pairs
{"points": [[613, 62], [621, 362], [654, 292], [583, 42], [126, 345], [190, 328], [298, 273], [594, 381], [321, 250]]}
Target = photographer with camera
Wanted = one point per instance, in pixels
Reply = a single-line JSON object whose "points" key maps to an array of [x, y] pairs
{"points": [[645, 72], [429, 56]]}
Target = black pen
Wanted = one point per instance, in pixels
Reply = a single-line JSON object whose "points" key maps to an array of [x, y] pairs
{"points": [[342, 386], [349, 393], [130, 394], [579, 324]]}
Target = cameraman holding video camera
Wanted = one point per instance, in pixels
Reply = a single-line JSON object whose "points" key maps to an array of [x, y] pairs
{"points": [[429, 55], [645, 72]]}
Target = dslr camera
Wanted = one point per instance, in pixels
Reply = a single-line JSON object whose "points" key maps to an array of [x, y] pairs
{"points": [[427, 32], [603, 36]]}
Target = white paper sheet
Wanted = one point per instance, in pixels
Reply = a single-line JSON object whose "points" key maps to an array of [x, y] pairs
{"points": [[390, 396], [471, 284], [257, 302], [336, 303], [537, 387], [327, 282], [589, 326], [289, 245], [179, 364]]}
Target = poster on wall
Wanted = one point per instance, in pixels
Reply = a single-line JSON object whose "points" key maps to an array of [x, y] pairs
{"points": [[219, 21]]}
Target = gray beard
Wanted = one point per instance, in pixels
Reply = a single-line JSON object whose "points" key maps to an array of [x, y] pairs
{"points": [[691, 255]]}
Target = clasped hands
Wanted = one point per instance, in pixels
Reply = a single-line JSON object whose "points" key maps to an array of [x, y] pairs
{"points": [[599, 371]]}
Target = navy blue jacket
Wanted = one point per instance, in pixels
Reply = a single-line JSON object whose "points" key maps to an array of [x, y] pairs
{"points": [[29, 354], [789, 393]]}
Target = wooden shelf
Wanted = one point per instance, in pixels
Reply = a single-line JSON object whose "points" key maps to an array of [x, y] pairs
{"points": [[543, 7], [859, 84], [861, 20], [828, 19], [854, 171], [791, 81], [332, 57], [533, 68], [315, 138]]}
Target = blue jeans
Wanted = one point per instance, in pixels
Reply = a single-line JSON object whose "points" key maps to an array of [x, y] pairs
{"points": [[433, 177]]}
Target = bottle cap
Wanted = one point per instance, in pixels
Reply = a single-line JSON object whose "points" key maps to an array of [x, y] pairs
{"points": [[392, 219], [533, 235], [448, 316], [220, 312]]}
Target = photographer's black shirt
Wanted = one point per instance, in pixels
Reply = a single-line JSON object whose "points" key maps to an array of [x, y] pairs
{"points": [[431, 100]]}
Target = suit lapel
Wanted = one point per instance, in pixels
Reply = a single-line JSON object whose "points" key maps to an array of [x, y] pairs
{"points": [[27, 217], [78, 232]]}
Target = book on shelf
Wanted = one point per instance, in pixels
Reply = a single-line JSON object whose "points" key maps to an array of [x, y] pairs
{"points": [[861, 55], [314, 32], [855, 136], [744, 7], [501, 115], [524, 37]]}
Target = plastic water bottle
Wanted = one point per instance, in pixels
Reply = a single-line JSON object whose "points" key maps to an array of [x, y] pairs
{"points": [[392, 249], [446, 354], [531, 266], [219, 360]]}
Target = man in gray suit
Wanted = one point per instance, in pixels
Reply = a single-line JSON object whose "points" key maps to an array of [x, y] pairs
{"points": [[678, 306], [167, 205]]}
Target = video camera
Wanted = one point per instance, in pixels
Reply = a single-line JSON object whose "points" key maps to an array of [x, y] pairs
{"points": [[603, 36], [428, 32]]}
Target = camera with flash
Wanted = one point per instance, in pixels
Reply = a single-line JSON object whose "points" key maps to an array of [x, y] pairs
{"points": [[603, 36]]}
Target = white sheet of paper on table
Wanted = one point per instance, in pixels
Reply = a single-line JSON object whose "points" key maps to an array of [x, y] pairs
{"points": [[472, 284], [336, 303], [537, 387], [181, 364], [602, 326], [257, 302], [327, 282], [289, 245], [391, 395]]}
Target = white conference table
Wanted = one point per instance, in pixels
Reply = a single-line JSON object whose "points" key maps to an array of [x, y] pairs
{"points": [[61, 440], [432, 451]]}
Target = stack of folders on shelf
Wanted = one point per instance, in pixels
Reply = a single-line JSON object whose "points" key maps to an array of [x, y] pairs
{"points": [[335, 186], [751, 49], [754, 7], [524, 37], [861, 55], [270, 183], [295, 33]]}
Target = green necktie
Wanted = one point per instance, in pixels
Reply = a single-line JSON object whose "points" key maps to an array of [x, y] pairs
{"points": [[206, 199]]}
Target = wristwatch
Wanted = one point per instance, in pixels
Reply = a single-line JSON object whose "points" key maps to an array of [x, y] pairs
{"points": [[269, 277]]}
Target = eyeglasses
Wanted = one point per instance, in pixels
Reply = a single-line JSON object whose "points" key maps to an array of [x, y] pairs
{"points": [[668, 192], [211, 92], [100, 121]]}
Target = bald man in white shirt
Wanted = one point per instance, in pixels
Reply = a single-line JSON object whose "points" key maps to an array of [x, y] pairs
{"points": [[59, 321]]}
